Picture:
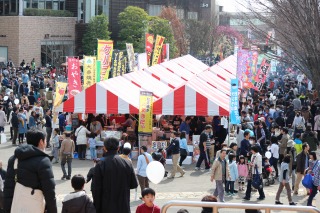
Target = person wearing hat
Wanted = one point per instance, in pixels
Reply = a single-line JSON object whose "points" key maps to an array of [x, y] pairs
{"points": [[66, 154], [174, 149], [126, 151], [143, 160]]}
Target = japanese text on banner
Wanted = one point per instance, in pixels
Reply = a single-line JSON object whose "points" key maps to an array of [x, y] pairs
{"points": [[149, 47], [157, 49], [74, 78], [234, 103], [262, 74], [104, 52], [131, 58], [89, 71], [145, 112], [60, 91]]}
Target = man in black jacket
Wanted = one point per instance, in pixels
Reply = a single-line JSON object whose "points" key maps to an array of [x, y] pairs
{"points": [[174, 149], [15, 124], [114, 177], [34, 171], [302, 165], [202, 146]]}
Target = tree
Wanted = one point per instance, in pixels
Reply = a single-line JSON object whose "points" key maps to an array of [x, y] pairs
{"points": [[296, 25], [159, 26], [97, 29], [133, 22], [170, 14]]}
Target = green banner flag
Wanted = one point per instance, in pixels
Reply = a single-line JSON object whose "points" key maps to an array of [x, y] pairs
{"points": [[98, 70]]}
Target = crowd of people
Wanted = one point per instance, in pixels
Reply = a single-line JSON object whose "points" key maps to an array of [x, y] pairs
{"points": [[276, 140]]}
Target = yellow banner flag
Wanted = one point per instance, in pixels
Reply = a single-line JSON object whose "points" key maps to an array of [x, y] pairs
{"points": [[157, 50], [104, 52], [89, 71], [145, 112], [59, 94]]}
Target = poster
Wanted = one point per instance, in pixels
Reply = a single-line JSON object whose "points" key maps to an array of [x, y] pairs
{"points": [[60, 92], [234, 103], [145, 112], [104, 52], [74, 78], [262, 74], [131, 58], [157, 50], [149, 47], [89, 71]]}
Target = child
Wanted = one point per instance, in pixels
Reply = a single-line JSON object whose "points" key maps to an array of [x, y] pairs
{"points": [[56, 145], [92, 145], [233, 174], [90, 175], [284, 178], [77, 201], [298, 143], [148, 196], [242, 171]]}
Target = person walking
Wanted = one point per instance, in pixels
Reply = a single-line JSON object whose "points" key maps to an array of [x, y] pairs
{"points": [[3, 119], [81, 134], [66, 155], [315, 171], [284, 181], [220, 173], [274, 149], [34, 170], [174, 149], [22, 125], [15, 124], [143, 160], [114, 177], [256, 162], [183, 147], [202, 146], [302, 165], [283, 143], [310, 137], [48, 126]]}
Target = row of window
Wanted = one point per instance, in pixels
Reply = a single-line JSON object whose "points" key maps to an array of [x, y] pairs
{"points": [[155, 10]]}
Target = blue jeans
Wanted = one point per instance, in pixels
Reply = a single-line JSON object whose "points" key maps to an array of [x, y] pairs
{"points": [[93, 153], [313, 193]]}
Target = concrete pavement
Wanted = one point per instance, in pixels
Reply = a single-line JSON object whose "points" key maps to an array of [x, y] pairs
{"points": [[192, 187]]}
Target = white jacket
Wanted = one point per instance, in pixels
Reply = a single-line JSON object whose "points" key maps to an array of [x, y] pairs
{"points": [[81, 134], [257, 162], [3, 118]]}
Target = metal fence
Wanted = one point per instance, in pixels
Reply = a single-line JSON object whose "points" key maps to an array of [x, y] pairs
{"points": [[216, 206]]}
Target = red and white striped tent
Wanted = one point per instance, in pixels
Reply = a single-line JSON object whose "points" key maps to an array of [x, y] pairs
{"points": [[190, 63], [229, 64], [178, 70], [113, 96], [222, 73], [195, 97], [147, 83], [213, 80]]}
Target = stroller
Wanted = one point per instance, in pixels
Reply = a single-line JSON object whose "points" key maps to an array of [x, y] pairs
{"points": [[160, 156], [267, 172]]}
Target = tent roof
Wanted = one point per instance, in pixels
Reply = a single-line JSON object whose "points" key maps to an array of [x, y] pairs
{"points": [[213, 80], [229, 64], [191, 63]]}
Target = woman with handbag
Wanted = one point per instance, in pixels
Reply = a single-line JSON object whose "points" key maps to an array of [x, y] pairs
{"points": [[183, 147], [254, 176], [81, 134]]}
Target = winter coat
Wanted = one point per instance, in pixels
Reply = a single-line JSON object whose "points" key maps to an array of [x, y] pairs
{"points": [[243, 170], [77, 202], [301, 161], [233, 169], [310, 138], [14, 120], [81, 134], [283, 144], [22, 123], [34, 171], [114, 177], [217, 170]]}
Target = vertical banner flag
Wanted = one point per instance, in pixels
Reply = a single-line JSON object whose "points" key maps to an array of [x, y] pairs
{"points": [[157, 49], [164, 57], [149, 47], [59, 94], [74, 79], [119, 63], [98, 70], [145, 112], [234, 103], [115, 61], [89, 71], [262, 74], [246, 67], [131, 58], [104, 52]]}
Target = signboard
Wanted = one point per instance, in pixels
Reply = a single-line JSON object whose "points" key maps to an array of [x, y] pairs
{"points": [[234, 103], [145, 112]]}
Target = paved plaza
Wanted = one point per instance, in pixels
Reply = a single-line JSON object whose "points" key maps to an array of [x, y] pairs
{"points": [[192, 187]]}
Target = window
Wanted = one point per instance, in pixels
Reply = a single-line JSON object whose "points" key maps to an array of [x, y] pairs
{"points": [[180, 13], [49, 5], [154, 10], [193, 15], [55, 5]]}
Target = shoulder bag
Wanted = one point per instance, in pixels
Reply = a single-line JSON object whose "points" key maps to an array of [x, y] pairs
{"points": [[308, 179], [26, 199], [256, 179]]}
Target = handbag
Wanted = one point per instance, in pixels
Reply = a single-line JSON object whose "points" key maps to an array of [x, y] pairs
{"points": [[308, 179], [26, 199], [256, 180], [183, 152]]}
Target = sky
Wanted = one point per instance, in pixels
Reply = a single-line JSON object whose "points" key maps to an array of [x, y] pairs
{"points": [[230, 5]]}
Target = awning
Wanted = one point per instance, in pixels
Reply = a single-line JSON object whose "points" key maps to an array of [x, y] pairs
{"points": [[113, 96], [195, 97]]}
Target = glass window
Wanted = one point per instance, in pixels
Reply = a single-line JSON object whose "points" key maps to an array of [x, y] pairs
{"points": [[34, 3], [49, 5], [41, 5], [154, 10], [55, 5], [6, 7], [180, 13], [61, 5], [1, 7], [193, 15], [13, 6]]}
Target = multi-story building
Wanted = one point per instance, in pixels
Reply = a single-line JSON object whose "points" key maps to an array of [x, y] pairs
{"points": [[24, 35]]}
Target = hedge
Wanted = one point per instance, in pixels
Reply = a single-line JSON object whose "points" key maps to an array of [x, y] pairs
{"points": [[44, 12]]}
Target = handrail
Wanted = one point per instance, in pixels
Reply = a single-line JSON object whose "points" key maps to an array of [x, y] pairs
{"points": [[216, 205]]}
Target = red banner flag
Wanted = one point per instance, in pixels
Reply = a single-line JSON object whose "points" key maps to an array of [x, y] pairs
{"points": [[262, 74], [74, 77], [149, 47]]}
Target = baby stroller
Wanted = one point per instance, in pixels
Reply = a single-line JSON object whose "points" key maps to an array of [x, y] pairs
{"points": [[267, 172], [160, 156]]}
